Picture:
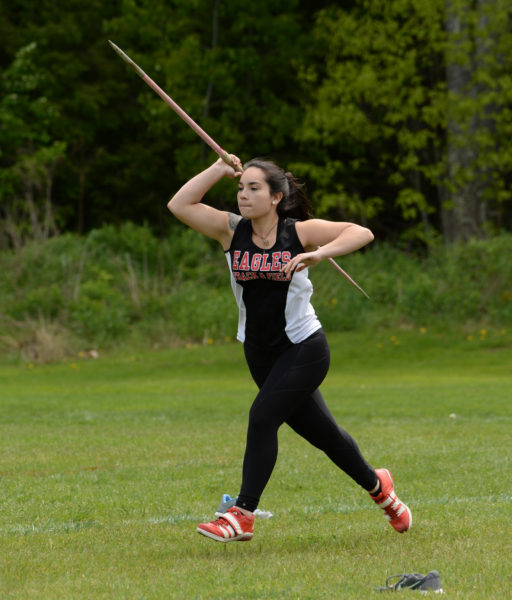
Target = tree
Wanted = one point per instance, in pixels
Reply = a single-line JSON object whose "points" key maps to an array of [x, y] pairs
{"points": [[397, 114], [29, 155], [479, 97], [230, 65], [400, 138]]}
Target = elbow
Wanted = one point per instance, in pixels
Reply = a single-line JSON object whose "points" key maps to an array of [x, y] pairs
{"points": [[171, 205], [362, 235]]}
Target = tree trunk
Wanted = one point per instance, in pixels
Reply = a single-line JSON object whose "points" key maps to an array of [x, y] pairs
{"points": [[50, 226], [457, 212], [464, 210]]}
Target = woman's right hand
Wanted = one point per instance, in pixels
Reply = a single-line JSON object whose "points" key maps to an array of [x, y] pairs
{"points": [[231, 171]]}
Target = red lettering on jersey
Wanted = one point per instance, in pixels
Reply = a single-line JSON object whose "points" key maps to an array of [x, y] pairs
{"points": [[276, 261], [277, 277], [244, 265], [256, 262], [260, 265], [249, 276], [265, 266]]}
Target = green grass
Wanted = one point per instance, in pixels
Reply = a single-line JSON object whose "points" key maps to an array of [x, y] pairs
{"points": [[107, 465]]}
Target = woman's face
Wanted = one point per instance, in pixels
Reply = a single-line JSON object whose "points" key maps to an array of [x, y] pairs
{"points": [[254, 197]]}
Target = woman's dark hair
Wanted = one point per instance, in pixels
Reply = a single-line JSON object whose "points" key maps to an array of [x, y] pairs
{"points": [[294, 203]]}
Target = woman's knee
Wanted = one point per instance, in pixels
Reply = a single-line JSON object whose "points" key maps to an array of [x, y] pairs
{"points": [[262, 417]]}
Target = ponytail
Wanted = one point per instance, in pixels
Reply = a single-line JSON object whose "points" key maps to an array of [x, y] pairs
{"points": [[294, 203]]}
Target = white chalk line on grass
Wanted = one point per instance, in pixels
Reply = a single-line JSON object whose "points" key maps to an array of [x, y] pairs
{"points": [[68, 527], [50, 527], [413, 503]]}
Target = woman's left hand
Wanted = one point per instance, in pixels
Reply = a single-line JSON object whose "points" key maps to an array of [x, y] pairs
{"points": [[302, 261]]}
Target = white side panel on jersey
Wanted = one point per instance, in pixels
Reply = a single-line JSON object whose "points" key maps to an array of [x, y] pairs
{"points": [[238, 291], [301, 320]]}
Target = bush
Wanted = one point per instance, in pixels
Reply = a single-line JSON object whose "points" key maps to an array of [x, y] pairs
{"points": [[121, 283], [463, 283]]}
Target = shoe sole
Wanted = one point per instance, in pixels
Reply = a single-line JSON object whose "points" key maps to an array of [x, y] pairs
{"points": [[410, 518], [245, 537]]}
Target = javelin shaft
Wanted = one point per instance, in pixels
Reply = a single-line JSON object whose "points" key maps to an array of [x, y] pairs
{"points": [[202, 134], [347, 276], [177, 109]]}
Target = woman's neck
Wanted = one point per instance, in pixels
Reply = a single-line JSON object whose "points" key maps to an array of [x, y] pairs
{"points": [[264, 230]]}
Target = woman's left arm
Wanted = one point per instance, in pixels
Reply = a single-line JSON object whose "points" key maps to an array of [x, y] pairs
{"points": [[326, 239]]}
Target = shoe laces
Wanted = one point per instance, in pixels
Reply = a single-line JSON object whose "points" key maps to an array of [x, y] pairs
{"points": [[413, 581], [221, 521], [405, 580]]}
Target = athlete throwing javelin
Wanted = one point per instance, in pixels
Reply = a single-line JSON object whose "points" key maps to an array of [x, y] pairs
{"points": [[269, 248]]}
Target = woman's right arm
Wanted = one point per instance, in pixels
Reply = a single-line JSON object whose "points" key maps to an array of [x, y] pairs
{"points": [[187, 207]]}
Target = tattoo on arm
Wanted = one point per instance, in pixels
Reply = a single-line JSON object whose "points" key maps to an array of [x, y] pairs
{"points": [[233, 220]]}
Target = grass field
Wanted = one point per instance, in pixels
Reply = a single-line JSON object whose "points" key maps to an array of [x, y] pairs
{"points": [[107, 465]]}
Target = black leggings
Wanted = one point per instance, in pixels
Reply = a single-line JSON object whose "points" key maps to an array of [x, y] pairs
{"points": [[288, 393]]}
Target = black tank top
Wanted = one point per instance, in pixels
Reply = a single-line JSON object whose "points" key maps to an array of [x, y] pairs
{"points": [[273, 311]]}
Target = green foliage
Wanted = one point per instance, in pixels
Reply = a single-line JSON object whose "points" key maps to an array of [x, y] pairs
{"points": [[100, 311], [204, 314], [378, 106], [29, 153], [408, 114], [104, 285], [230, 65], [122, 283], [396, 114], [466, 284]]}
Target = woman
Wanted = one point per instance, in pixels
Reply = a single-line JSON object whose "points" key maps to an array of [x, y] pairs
{"points": [[268, 249]]}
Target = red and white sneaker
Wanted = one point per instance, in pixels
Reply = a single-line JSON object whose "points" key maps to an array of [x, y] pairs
{"points": [[398, 513], [232, 526]]}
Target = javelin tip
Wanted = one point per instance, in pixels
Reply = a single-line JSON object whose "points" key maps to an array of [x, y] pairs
{"points": [[127, 59], [116, 48]]}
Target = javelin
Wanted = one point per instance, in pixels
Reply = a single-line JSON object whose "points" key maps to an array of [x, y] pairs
{"points": [[200, 132], [203, 135]]}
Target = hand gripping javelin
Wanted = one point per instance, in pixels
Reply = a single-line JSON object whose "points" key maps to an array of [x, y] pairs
{"points": [[203, 135]]}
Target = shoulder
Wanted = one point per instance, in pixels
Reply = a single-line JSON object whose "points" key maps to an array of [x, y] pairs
{"points": [[231, 224], [318, 232], [307, 225], [233, 221], [310, 230], [239, 231]]}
